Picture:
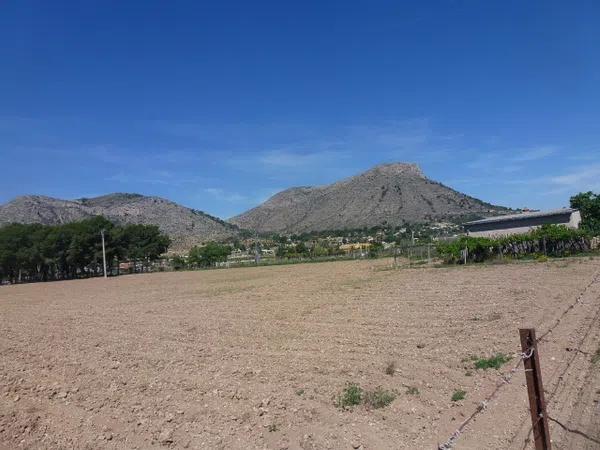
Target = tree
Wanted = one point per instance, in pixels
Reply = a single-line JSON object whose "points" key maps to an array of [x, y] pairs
{"points": [[142, 242], [301, 249], [13, 240], [588, 204], [34, 252], [209, 254], [281, 251], [178, 262], [319, 250], [375, 249]]}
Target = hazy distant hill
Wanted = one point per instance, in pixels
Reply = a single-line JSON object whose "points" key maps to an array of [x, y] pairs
{"points": [[184, 225], [390, 193]]}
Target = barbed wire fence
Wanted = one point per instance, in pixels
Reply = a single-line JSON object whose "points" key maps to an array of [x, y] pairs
{"points": [[577, 352], [522, 356]]}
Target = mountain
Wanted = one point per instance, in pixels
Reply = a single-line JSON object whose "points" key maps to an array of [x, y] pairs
{"points": [[185, 226], [390, 193]]}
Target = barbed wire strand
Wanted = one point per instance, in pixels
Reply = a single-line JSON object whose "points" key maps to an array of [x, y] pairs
{"points": [[574, 431], [569, 308], [506, 378]]}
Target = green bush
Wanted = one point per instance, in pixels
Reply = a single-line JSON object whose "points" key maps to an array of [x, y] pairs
{"points": [[458, 395], [495, 362], [550, 240], [379, 398], [352, 395]]}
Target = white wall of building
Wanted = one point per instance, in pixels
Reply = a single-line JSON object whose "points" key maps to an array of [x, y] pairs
{"points": [[574, 221]]}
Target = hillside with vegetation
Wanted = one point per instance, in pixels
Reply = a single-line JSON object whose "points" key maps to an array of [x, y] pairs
{"points": [[389, 194], [184, 226]]}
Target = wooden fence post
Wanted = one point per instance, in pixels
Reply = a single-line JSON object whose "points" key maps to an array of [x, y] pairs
{"points": [[535, 390]]}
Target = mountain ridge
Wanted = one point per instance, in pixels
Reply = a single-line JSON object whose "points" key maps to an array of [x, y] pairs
{"points": [[185, 226], [392, 193], [387, 194]]}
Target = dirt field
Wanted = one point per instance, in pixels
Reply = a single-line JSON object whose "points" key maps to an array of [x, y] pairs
{"points": [[255, 357]]}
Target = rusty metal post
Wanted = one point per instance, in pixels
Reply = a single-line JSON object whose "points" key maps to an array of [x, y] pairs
{"points": [[535, 390]]}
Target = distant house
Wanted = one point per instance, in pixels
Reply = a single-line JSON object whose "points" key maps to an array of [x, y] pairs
{"points": [[349, 248], [522, 223]]}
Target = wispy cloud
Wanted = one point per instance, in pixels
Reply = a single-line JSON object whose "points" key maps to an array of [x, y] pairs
{"points": [[585, 178], [131, 178], [534, 153], [154, 177], [576, 179], [510, 160], [222, 195], [289, 159]]}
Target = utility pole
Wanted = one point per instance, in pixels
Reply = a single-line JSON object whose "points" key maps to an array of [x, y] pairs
{"points": [[256, 251], [103, 253]]}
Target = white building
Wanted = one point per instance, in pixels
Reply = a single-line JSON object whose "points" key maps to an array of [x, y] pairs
{"points": [[522, 223]]}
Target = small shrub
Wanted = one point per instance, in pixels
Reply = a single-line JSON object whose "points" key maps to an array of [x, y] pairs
{"points": [[459, 395], [596, 357], [379, 398], [300, 392], [495, 362], [352, 395], [494, 316], [390, 369], [411, 390], [469, 358], [272, 428], [541, 258]]}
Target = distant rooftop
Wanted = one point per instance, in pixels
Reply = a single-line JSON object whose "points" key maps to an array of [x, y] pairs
{"points": [[524, 215]]}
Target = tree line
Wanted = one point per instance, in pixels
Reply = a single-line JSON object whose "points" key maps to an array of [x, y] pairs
{"points": [[36, 252]]}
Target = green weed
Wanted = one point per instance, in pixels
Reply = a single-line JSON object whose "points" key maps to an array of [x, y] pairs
{"points": [[411, 390], [352, 395], [390, 369], [495, 362], [459, 395], [379, 398]]}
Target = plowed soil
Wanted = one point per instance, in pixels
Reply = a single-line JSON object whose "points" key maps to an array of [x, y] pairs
{"points": [[256, 357]]}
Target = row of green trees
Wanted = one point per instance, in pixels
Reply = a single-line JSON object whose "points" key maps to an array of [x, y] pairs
{"points": [[551, 240], [212, 253], [35, 252]]}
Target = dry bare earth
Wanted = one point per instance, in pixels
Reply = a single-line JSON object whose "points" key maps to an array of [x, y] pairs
{"points": [[253, 358]]}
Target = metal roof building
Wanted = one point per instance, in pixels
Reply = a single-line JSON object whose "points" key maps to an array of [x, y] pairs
{"points": [[523, 222]]}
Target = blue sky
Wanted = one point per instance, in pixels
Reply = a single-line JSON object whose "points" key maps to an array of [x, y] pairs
{"points": [[218, 105]]}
